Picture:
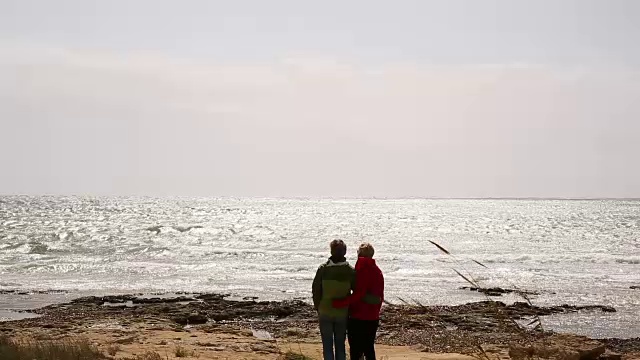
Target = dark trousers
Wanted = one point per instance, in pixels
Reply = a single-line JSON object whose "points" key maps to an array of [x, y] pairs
{"points": [[362, 337], [333, 333]]}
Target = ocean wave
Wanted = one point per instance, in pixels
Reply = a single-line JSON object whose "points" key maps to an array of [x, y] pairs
{"points": [[38, 248], [419, 272], [63, 236], [562, 259], [191, 229], [133, 244], [25, 248], [279, 269], [631, 260]]}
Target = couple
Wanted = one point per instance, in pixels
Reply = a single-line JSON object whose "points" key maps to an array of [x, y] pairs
{"points": [[342, 311]]}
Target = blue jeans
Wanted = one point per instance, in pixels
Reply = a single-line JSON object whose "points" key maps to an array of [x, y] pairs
{"points": [[333, 332]]}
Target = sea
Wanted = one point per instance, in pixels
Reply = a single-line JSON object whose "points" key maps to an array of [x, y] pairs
{"points": [[576, 252]]}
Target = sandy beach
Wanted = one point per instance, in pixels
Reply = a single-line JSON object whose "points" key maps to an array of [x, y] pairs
{"points": [[212, 326], [197, 343]]}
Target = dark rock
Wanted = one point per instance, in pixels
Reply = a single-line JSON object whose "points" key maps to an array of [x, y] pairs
{"points": [[623, 345], [603, 308], [196, 319], [193, 319], [635, 287], [591, 353], [488, 291], [517, 352], [221, 317], [39, 292], [212, 297], [497, 291], [182, 319], [610, 356], [168, 300], [101, 300]]}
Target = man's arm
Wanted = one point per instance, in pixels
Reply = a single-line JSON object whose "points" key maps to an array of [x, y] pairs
{"points": [[316, 288]]}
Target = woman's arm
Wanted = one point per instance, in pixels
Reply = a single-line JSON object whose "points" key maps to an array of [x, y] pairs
{"points": [[361, 288]]}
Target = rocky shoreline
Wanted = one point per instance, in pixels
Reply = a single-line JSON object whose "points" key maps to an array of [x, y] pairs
{"points": [[451, 329]]}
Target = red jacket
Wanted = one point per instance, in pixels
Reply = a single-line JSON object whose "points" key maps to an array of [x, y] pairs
{"points": [[369, 280]]}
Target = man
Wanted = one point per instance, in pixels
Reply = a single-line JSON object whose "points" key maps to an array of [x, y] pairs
{"points": [[334, 280], [364, 305]]}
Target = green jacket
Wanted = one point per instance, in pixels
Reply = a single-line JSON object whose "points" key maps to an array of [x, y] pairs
{"points": [[333, 281]]}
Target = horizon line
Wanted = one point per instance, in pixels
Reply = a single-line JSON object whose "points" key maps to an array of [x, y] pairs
{"points": [[541, 198]]}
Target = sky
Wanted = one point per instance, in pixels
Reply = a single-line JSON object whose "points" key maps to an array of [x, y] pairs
{"points": [[290, 98]]}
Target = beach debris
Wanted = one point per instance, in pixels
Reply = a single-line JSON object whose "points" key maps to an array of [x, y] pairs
{"points": [[261, 334], [610, 356]]}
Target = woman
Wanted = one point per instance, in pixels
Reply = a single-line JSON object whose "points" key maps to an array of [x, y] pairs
{"points": [[364, 305]]}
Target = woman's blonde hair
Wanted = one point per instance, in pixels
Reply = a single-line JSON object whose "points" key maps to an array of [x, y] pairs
{"points": [[366, 250]]}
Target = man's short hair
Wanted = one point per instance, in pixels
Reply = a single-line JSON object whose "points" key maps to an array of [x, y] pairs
{"points": [[338, 248], [366, 250]]}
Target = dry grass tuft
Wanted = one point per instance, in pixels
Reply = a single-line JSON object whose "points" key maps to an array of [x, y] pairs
{"points": [[504, 319], [149, 355], [181, 351], [78, 349], [294, 332], [113, 349], [290, 355]]}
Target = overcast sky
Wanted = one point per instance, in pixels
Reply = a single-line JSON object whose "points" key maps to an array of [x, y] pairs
{"points": [[449, 98]]}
